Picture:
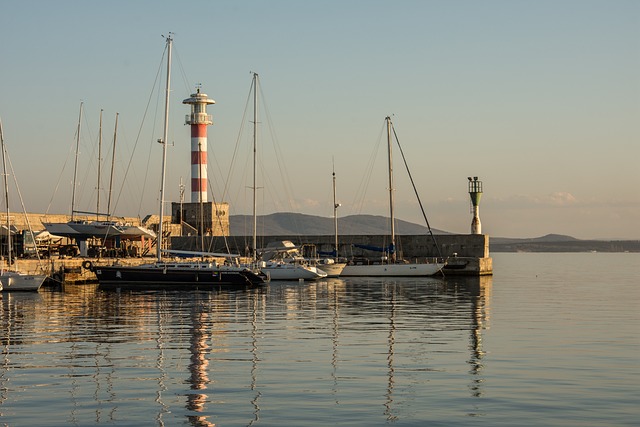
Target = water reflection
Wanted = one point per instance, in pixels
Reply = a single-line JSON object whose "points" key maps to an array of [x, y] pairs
{"points": [[223, 352], [199, 364], [391, 371], [480, 292], [255, 357]]}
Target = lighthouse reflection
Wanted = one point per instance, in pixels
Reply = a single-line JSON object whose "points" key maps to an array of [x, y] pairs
{"points": [[240, 358], [199, 364]]}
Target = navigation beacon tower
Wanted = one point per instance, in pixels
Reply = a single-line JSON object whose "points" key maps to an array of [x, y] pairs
{"points": [[199, 120], [475, 192]]}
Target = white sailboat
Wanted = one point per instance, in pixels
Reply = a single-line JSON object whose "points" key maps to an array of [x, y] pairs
{"points": [[283, 261], [82, 229], [390, 265], [331, 264], [11, 279], [282, 266], [196, 274]]}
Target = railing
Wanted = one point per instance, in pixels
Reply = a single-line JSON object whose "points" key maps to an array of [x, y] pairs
{"points": [[198, 119]]}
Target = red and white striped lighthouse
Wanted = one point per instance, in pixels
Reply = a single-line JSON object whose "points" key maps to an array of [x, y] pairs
{"points": [[199, 120]]}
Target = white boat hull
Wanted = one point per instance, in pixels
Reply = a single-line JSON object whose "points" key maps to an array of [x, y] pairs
{"points": [[132, 232], [284, 271], [392, 270], [16, 281], [333, 270]]}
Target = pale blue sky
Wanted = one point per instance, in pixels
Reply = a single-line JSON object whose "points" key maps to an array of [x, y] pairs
{"points": [[540, 99]]}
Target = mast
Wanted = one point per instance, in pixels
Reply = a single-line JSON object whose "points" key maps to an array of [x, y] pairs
{"points": [[99, 163], [335, 213], [113, 160], [6, 195], [201, 204], [163, 141], [75, 169], [391, 202], [255, 141]]}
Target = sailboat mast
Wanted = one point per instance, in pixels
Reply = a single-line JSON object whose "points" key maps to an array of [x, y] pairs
{"points": [[99, 163], [163, 141], [391, 201], [75, 169], [335, 213], [6, 195], [201, 203], [255, 163], [113, 160]]}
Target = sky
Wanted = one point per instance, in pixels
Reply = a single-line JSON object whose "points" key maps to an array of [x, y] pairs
{"points": [[539, 100]]}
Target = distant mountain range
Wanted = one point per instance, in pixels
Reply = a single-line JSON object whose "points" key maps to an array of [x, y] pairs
{"points": [[295, 224]]}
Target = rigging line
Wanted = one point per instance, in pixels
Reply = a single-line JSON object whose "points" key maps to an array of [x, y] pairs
{"points": [[85, 130], [238, 143], [113, 161], [215, 177], [57, 186], [24, 210], [236, 155], [415, 190], [363, 186], [144, 116], [90, 162], [280, 158], [285, 179], [185, 80], [218, 217], [224, 237]]}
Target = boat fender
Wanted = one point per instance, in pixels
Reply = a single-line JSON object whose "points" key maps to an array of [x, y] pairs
{"points": [[88, 265]]}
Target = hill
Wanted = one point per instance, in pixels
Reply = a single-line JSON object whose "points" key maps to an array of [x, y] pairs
{"points": [[549, 238], [295, 224], [561, 243]]}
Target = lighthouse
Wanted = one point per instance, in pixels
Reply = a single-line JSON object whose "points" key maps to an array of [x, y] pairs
{"points": [[475, 192], [199, 120]]}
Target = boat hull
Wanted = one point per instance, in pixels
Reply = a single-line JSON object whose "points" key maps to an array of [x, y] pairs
{"points": [[292, 272], [14, 281], [153, 278], [333, 270], [392, 270]]}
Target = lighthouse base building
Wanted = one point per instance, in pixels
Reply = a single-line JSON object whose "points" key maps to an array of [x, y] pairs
{"points": [[207, 218]]}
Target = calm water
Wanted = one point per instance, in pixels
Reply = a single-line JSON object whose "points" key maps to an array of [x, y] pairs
{"points": [[550, 339]]}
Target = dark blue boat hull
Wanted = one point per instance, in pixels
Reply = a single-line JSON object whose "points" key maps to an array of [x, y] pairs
{"points": [[145, 278]]}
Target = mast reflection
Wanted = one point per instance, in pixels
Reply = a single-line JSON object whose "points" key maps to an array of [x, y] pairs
{"points": [[391, 370]]}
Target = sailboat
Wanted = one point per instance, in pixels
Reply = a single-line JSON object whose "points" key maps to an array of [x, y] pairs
{"points": [[82, 229], [284, 263], [200, 274], [390, 265], [13, 279], [331, 264]]}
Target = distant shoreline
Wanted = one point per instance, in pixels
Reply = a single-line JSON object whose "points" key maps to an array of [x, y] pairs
{"points": [[523, 245]]}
